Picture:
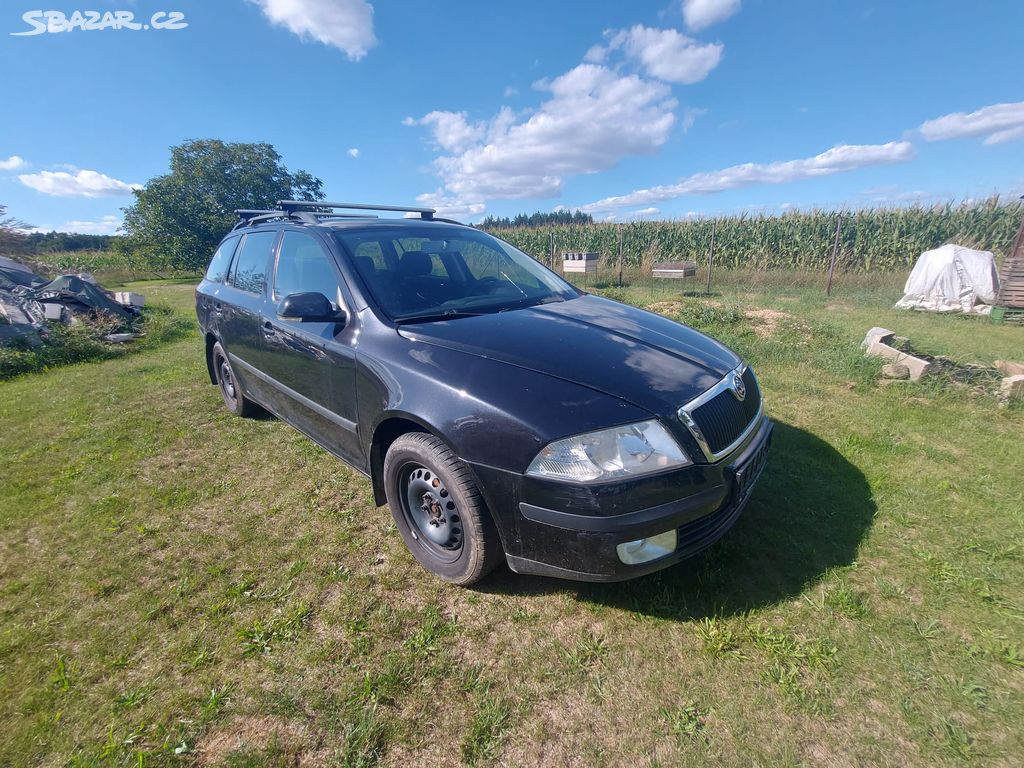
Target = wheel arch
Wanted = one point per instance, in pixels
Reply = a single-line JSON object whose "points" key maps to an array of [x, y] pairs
{"points": [[392, 426], [387, 430]]}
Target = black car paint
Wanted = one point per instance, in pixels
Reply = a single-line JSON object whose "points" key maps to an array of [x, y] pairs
{"points": [[496, 388]]}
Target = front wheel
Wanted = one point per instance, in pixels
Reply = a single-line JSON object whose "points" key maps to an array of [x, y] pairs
{"points": [[439, 510]]}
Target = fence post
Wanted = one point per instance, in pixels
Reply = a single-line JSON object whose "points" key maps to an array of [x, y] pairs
{"points": [[711, 254], [620, 255], [551, 250], [835, 253]]}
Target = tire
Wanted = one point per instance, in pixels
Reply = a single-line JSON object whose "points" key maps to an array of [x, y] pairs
{"points": [[234, 399], [439, 510]]}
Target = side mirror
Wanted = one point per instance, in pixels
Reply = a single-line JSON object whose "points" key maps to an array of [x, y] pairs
{"points": [[310, 308]]}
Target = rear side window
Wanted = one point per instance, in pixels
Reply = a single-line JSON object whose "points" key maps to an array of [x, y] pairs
{"points": [[304, 267], [221, 261], [250, 270]]}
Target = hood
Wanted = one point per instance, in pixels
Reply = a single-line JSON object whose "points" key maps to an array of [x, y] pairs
{"points": [[628, 353]]}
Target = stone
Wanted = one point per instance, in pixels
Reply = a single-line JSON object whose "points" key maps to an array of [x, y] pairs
{"points": [[883, 335], [1008, 368], [895, 371], [916, 365], [1011, 388]]}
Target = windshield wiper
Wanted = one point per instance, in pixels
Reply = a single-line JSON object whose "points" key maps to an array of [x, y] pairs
{"points": [[554, 298], [449, 314]]}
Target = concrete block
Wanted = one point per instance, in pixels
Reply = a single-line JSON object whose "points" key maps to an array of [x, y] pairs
{"points": [[52, 311], [130, 299], [916, 365], [883, 335], [1011, 389], [895, 371], [1007, 368]]}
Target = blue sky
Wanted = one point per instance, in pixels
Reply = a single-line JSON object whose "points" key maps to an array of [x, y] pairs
{"points": [[639, 109]]}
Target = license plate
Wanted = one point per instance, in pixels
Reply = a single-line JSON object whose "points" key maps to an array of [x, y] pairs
{"points": [[747, 474]]}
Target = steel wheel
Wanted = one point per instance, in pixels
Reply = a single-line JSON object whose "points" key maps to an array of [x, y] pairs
{"points": [[438, 509], [227, 383], [234, 397], [434, 517]]}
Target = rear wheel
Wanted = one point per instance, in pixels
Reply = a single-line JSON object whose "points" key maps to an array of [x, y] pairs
{"points": [[234, 399], [439, 510]]}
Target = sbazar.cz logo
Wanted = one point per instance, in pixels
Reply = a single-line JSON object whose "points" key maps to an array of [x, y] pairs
{"points": [[40, 22]]}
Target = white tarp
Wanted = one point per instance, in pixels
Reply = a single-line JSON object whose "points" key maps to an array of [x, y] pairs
{"points": [[952, 279]]}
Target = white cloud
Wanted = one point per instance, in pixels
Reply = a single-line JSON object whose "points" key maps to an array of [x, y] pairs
{"points": [[510, 91], [105, 225], [1000, 122], [690, 117], [1010, 134], [344, 24], [12, 163], [666, 54], [700, 14], [593, 118], [353, 152], [452, 132], [81, 184], [449, 206], [838, 159]]}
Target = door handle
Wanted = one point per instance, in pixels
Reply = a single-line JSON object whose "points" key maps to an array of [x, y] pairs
{"points": [[217, 307]]}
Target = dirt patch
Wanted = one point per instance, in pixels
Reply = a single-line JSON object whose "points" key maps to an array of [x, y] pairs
{"points": [[766, 321], [254, 732], [667, 308]]}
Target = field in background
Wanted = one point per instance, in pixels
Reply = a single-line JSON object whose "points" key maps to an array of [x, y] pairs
{"points": [[181, 587], [871, 240], [110, 267]]}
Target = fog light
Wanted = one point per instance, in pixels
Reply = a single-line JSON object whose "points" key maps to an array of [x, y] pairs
{"points": [[645, 550]]}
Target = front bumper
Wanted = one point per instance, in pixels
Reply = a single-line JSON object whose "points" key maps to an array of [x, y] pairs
{"points": [[700, 502]]}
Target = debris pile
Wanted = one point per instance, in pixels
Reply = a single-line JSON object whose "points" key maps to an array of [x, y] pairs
{"points": [[28, 302], [1006, 379]]}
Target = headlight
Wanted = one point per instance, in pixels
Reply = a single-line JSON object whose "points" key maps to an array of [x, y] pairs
{"points": [[627, 451]]}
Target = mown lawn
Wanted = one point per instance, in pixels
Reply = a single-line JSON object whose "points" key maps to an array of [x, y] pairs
{"points": [[181, 587]]}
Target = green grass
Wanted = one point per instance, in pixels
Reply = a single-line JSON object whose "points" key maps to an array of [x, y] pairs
{"points": [[181, 587]]}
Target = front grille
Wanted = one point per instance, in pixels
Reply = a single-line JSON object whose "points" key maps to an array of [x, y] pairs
{"points": [[723, 418]]}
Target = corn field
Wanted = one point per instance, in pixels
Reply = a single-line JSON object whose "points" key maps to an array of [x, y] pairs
{"points": [[871, 240]]}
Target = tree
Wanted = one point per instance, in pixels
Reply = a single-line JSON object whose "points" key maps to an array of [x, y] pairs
{"points": [[54, 242], [537, 219], [178, 218], [12, 233]]}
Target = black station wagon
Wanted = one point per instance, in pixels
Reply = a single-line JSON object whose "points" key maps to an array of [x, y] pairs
{"points": [[499, 411]]}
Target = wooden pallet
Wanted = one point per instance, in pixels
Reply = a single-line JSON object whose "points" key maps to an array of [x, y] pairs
{"points": [[1011, 278]]}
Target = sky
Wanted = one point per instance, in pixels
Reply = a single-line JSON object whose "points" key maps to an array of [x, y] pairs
{"points": [[626, 110]]}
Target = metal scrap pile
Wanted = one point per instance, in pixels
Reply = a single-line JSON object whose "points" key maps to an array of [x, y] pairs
{"points": [[28, 301]]}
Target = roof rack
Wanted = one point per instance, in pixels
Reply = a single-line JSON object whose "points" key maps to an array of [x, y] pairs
{"points": [[291, 206], [294, 209], [248, 216]]}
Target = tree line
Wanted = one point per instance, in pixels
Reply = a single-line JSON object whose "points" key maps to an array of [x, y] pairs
{"points": [[538, 219]]}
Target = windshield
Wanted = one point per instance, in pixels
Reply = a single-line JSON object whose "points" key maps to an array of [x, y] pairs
{"points": [[428, 272]]}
